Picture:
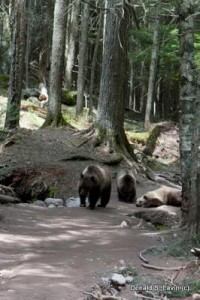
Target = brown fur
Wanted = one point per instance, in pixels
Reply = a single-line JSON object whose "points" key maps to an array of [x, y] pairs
{"points": [[163, 196], [126, 186], [95, 183]]}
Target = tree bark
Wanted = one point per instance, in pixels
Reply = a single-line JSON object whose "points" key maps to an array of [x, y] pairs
{"points": [[187, 103], [153, 73], [71, 44], [54, 114], [93, 67], [18, 46], [113, 86], [82, 59]]}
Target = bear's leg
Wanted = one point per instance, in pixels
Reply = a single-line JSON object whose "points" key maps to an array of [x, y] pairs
{"points": [[105, 196], [120, 196], [131, 198], [93, 198], [82, 198]]}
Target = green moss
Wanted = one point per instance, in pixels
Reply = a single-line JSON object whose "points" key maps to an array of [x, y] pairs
{"points": [[69, 97], [141, 137], [161, 227]]}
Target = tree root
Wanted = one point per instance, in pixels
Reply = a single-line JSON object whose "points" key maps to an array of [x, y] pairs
{"points": [[142, 257], [162, 268], [150, 175]]}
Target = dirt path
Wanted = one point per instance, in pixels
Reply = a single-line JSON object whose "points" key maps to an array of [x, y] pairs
{"points": [[57, 253]]}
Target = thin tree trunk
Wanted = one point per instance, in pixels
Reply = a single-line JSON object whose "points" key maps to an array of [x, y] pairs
{"points": [[153, 73], [27, 43], [19, 26], [187, 103], [54, 114], [93, 67], [71, 44], [82, 59]]}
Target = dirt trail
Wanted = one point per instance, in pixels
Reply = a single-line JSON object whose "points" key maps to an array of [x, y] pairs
{"points": [[57, 253]]}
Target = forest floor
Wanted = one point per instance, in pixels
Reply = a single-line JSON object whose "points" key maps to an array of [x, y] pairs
{"points": [[58, 253]]}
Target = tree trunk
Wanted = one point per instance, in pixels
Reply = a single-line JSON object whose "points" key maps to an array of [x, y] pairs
{"points": [[113, 87], [93, 67], [71, 45], [82, 59], [153, 73], [54, 114], [19, 26], [194, 210], [187, 103]]}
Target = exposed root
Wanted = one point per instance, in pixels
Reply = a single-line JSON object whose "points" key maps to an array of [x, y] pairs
{"points": [[79, 157], [162, 268], [142, 257]]}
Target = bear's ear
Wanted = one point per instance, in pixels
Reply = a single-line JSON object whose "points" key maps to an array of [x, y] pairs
{"points": [[93, 179], [145, 197]]}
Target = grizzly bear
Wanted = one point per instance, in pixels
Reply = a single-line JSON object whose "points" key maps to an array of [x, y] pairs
{"points": [[95, 183], [163, 196], [126, 186]]}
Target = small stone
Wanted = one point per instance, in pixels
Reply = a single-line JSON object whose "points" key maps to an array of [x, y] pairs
{"points": [[40, 203], [118, 279], [129, 279], [54, 201], [72, 202], [124, 224], [51, 206]]}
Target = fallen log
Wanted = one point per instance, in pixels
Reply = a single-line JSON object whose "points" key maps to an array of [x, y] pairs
{"points": [[4, 199]]}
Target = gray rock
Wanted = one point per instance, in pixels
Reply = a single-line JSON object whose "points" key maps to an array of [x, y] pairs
{"points": [[40, 203], [54, 201], [129, 279], [51, 206], [72, 202], [118, 279]]}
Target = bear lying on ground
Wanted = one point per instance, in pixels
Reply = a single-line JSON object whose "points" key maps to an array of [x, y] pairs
{"points": [[126, 186], [163, 196], [95, 183]]}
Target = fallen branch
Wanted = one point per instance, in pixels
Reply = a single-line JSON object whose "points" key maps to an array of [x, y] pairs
{"points": [[162, 268], [146, 297], [99, 296], [142, 257], [8, 199]]}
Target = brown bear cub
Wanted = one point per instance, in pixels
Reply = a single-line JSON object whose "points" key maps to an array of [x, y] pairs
{"points": [[126, 186], [163, 196], [95, 183]]}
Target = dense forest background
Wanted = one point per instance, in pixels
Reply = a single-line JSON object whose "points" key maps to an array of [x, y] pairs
{"points": [[108, 58]]}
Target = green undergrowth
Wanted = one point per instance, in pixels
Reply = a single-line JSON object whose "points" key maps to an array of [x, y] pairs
{"points": [[184, 290]]}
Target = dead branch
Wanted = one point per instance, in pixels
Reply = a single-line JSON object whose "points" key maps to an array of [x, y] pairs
{"points": [[154, 177], [99, 296], [4, 199], [142, 257], [146, 297], [162, 268]]}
